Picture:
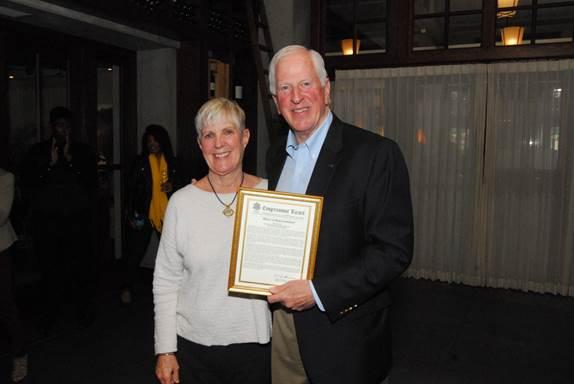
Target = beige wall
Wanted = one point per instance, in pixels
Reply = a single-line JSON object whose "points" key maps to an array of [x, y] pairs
{"points": [[157, 90]]}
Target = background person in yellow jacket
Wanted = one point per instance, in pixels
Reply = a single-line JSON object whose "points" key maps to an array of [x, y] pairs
{"points": [[152, 180]]}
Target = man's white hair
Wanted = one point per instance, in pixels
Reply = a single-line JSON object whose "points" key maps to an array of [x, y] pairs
{"points": [[316, 58]]}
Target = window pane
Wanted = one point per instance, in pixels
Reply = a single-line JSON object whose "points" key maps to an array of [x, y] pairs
{"points": [[429, 6], [22, 109], [367, 9], [464, 31], [372, 37], [339, 20], [465, 5], [429, 33], [554, 25], [522, 18], [371, 26]]}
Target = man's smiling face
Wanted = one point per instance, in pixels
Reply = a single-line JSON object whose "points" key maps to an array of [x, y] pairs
{"points": [[299, 97]]}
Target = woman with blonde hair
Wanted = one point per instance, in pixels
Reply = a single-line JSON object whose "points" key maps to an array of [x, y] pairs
{"points": [[202, 334]]}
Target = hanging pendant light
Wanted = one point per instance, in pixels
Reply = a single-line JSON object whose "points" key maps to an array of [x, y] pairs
{"points": [[347, 46], [512, 35], [506, 4]]}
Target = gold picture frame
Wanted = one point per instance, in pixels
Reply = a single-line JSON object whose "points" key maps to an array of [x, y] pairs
{"points": [[274, 239]]}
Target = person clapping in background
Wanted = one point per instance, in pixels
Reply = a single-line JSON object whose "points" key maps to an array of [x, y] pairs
{"points": [[60, 180]]}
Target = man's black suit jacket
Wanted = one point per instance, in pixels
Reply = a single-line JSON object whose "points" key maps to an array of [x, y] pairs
{"points": [[365, 242]]}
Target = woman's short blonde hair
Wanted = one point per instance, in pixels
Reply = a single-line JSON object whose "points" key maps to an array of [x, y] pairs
{"points": [[219, 110]]}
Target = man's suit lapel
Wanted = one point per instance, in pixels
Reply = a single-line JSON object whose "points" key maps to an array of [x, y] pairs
{"points": [[324, 167], [327, 161]]}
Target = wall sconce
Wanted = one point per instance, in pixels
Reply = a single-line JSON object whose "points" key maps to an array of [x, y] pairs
{"points": [[421, 137], [512, 35], [347, 46], [506, 4]]}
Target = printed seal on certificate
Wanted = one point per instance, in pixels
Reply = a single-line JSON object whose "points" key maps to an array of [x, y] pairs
{"points": [[274, 239]]}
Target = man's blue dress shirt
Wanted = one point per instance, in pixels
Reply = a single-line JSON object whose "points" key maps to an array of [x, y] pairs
{"points": [[299, 165]]}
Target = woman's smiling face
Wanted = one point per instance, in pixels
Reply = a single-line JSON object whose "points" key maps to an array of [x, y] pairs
{"points": [[222, 145]]}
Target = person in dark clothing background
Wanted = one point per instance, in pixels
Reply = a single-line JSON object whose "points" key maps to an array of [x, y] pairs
{"points": [[59, 180], [152, 180]]}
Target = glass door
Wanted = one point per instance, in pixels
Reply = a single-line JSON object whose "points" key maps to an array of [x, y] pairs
{"points": [[109, 160], [36, 84]]}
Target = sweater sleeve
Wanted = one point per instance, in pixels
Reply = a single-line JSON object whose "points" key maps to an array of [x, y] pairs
{"points": [[168, 275]]}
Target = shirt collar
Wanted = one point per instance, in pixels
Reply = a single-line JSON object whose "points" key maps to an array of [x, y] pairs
{"points": [[314, 143]]}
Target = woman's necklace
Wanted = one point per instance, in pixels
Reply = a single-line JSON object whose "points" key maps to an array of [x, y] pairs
{"points": [[227, 211]]}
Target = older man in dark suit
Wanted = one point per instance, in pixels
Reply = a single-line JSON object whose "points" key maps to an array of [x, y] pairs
{"points": [[335, 328]]}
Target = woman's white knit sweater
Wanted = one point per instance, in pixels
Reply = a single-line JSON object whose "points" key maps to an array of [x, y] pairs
{"points": [[190, 277]]}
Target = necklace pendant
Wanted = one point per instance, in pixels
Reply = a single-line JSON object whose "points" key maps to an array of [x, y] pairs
{"points": [[227, 211]]}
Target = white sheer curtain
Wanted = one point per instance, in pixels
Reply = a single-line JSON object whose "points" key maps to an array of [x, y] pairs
{"points": [[530, 166], [467, 207], [436, 114]]}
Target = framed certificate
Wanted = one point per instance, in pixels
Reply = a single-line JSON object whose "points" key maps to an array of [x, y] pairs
{"points": [[274, 239]]}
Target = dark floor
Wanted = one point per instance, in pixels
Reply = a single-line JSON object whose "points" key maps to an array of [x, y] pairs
{"points": [[442, 334]]}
